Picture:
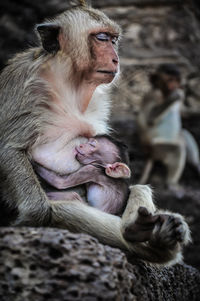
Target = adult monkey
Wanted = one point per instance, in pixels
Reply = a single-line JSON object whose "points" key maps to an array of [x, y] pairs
{"points": [[50, 103], [161, 129]]}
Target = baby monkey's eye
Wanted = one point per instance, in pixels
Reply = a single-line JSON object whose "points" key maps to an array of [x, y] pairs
{"points": [[92, 142]]}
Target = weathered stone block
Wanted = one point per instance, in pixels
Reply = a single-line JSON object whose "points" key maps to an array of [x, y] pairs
{"points": [[54, 265]]}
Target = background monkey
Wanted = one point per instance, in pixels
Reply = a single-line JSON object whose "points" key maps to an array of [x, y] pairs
{"points": [[52, 99], [104, 170], [161, 128]]}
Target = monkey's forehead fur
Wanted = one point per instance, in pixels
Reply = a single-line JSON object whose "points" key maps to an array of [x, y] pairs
{"points": [[80, 20]]}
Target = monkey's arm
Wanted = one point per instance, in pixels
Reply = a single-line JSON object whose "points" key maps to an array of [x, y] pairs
{"points": [[78, 217], [20, 187], [164, 247], [85, 174], [175, 96]]}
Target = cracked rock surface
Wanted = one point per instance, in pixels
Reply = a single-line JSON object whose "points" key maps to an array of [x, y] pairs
{"points": [[50, 264]]}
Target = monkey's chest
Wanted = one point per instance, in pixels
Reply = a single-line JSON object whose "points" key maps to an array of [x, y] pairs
{"points": [[66, 129], [58, 155]]}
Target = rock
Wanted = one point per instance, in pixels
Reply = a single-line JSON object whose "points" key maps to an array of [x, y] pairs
{"points": [[100, 3], [51, 264]]}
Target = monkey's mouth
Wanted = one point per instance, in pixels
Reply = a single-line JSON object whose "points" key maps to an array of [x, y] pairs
{"points": [[79, 154], [113, 73]]}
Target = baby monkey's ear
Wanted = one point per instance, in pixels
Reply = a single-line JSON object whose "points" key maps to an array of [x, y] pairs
{"points": [[118, 170]]}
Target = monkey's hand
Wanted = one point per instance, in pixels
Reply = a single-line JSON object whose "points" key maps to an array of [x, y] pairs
{"points": [[170, 229], [141, 229]]}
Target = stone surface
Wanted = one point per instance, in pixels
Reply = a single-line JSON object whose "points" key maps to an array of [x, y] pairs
{"points": [[51, 264]]}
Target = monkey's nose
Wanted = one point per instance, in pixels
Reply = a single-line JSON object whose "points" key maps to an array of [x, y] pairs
{"points": [[115, 61]]}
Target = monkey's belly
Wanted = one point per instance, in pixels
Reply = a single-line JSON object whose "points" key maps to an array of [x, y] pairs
{"points": [[58, 156]]}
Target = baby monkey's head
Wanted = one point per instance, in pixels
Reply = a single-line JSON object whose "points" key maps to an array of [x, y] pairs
{"points": [[102, 150]]}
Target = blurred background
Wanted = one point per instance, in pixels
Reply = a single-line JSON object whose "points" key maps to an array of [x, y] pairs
{"points": [[154, 32]]}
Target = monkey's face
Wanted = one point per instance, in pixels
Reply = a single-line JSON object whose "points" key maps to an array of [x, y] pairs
{"points": [[168, 83], [105, 61], [100, 151], [87, 40]]}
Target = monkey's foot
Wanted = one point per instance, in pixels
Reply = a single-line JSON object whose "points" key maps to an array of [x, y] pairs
{"points": [[169, 230]]}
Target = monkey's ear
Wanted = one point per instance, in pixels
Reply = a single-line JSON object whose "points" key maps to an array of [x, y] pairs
{"points": [[118, 170], [49, 36]]}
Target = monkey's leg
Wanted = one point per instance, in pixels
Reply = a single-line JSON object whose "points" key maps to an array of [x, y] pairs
{"points": [[170, 235], [20, 187], [167, 231], [175, 162], [192, 151], [140, 197], [78, 217], [171, 228], [173, 156], [81, 218], [146, 172]]}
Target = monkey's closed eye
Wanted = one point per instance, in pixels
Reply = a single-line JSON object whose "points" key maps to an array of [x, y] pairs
{"points": [[92, 142], [103, 36]]}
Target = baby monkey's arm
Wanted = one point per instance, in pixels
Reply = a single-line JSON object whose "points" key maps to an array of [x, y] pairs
{"points": [[85, 174]]}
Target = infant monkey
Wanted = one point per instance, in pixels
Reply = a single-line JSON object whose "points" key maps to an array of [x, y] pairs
{"points": [[104, 170]]}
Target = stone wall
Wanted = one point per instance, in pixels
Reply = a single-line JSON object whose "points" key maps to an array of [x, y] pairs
{"points": [[152, 35], [154, 32]]}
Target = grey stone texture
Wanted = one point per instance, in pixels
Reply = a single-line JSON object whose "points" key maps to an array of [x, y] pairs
{"points": [[38, 264]]}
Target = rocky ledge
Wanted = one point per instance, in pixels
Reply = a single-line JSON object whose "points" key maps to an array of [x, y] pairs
{"points": [[51, 264]]}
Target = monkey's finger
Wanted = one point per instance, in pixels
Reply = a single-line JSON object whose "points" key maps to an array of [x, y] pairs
{"points": [[147, 219], [177, 221], [167, 219], [143, 211], [180, 233], [172, 222]]}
